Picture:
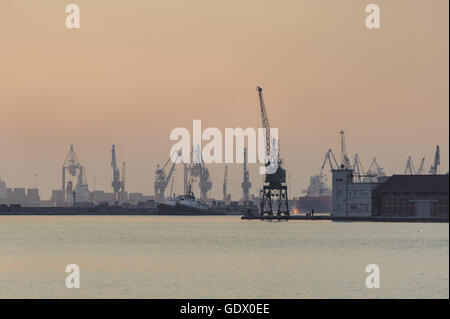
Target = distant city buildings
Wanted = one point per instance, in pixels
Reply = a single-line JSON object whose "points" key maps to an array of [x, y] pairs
{"points": [[19, 195]]}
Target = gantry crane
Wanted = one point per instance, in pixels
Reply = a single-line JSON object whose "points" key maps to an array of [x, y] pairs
{"points": [[436, 161], [72, 166], [274, 195]]}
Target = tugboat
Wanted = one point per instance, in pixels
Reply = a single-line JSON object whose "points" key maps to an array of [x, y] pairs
{"points": [[184, 205]]}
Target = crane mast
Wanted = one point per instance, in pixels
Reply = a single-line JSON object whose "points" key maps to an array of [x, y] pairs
{"points": [[117, 184], [225, 182], [246, 184]]}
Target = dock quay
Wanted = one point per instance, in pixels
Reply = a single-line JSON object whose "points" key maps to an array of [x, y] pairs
{"points": [[348, 219]]}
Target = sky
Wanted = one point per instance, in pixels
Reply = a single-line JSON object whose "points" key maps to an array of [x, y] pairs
{"points": [[135, 70]]}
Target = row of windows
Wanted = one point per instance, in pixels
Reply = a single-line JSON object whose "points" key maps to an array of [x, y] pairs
{"points": [[406, 207], [358, 194], [359, 207], [416, 195]]}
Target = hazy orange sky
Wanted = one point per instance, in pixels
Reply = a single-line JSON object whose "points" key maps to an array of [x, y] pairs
{"points": [[137, 69]]}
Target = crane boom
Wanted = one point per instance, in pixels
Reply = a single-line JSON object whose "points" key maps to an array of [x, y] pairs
{"points": [[358, 168], [328, 157], [409, 169], [265, 120], [420, 170], [436, 162], [345, 161]]}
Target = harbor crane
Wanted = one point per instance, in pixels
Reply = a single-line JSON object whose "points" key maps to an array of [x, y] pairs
{"points": [[117, 184], [436, 162], [246, 184], [162, 179], [345, 161], [226, 196], [374, 171], [274, 195], [358, 169], [420, 169], [198, 169], [409, 169], [331, 159], [73, 167]]}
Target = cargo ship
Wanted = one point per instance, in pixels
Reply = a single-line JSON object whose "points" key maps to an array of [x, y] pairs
{"points": [[317, 198]]}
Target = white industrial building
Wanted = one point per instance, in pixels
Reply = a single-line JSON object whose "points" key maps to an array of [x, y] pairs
{"points": [[353, 198]]}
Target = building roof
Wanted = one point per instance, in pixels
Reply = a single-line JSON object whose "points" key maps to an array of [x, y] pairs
{"points": [[415, 184]]}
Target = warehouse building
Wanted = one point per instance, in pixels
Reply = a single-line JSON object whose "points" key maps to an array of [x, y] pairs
{"points": [[421, 196]]}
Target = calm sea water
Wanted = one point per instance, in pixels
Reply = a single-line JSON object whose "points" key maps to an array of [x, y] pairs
{"points": [[219, 257]]}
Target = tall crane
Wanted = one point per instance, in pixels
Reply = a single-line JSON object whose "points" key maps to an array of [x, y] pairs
{"points": [[162, 180], [409, 168], [358, 169], [374, 171], [123, 182], [436, 161], [225, 183], [117, 184], [420, 169], [274, 195], [246, 184], [345, 161], [73, 167], [331, 159], [198, 170]]}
